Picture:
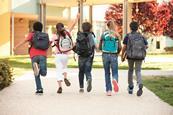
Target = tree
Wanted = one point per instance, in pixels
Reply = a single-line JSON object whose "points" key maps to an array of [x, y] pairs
{"points": [[168, 30], [115, 12], [152, 17]]}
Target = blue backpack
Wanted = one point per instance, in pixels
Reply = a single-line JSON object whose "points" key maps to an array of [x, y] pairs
{"points": [[110, 43]]}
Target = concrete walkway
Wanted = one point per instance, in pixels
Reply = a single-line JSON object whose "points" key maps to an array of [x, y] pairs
{"points": [[19, 98]]}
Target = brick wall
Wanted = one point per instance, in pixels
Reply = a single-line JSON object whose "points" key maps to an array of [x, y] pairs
{"points": [[21, 26]]}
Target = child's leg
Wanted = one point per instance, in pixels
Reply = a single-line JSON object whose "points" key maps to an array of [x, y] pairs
{"points": [[59, 68], [65, 61], [37, 78], [114, 67], [65, 75], [88, 65], [138, 65], [43, 65], [81, 63]]}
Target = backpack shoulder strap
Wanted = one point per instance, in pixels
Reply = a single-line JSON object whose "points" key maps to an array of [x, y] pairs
{"points": [[57, 44], [68, 34]]}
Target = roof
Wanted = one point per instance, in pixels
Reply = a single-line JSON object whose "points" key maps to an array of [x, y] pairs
{"points": [[69, 3]]}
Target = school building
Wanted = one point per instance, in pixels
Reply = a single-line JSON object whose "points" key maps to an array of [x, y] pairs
{"points": [[18, 16]]}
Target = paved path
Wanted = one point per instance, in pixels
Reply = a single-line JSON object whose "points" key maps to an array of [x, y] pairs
{"points": [[19, 98]]}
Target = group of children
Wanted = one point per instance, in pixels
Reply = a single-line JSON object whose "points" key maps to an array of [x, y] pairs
{"points": [[84, 46]]}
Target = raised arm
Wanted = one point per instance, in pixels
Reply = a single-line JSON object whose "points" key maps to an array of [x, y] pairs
{"points": [[73, 23], [20, 44]]}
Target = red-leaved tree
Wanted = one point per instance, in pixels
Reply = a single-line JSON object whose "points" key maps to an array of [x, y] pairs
{"points": [[152, 17], [115, 12], [168, 30]]}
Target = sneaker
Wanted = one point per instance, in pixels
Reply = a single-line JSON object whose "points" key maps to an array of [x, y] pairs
{"points": [[140, 91], [130, 89], [89, 87], [36, 69], [115, 84], [40, 91], [109, 93], [81, 90], [59, 90], [67, 82]]}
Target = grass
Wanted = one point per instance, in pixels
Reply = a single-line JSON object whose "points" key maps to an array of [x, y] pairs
{"points": [[21, 64], [25, 62], [159, 55], [162, 86]]}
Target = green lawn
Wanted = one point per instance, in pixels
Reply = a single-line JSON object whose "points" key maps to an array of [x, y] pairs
{"points": [[21, 64], [24, 62], [160, 55], [162, 86]]}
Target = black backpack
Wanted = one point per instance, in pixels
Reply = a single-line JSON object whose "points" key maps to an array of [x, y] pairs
{"points": [[136, 48], [83, 44], [40, 40]]}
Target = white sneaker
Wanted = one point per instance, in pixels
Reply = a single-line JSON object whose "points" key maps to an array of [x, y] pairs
{"points": [[36, 69]]}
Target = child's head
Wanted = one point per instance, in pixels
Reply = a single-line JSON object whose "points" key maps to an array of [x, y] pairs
{"points": [[60, 29], [111, 25], [134, 26], [86, 27], [38, 26]]}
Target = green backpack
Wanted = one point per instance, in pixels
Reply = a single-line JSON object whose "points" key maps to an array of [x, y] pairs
{"points": [[110, 43]]}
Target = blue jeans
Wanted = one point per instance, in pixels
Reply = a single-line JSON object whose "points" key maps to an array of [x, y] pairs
{"points": [[110, 61], [42, 64], [85, 66]]}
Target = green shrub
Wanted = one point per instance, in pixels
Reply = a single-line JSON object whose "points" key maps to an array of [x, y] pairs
{"points": [[6, 74]]}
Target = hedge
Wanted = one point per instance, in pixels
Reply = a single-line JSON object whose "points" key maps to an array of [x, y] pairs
{"points": [[6, 74]]}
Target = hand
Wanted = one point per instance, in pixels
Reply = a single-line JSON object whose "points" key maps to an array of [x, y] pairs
{"points": [[117, 34], [78, 16], [14, 49], [122, 59]]}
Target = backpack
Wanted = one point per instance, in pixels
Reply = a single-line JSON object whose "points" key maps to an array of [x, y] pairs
{"points": [[40, 40], [84, 46], [136, 47], [64, 44], [110, 44]]}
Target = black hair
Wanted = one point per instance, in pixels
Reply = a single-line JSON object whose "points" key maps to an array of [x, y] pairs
{"points": [[60, 29], [134, 26], [38, 26], [86, 27]]}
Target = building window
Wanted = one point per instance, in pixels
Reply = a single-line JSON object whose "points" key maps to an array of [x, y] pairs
{"points": [[157, 44]]}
